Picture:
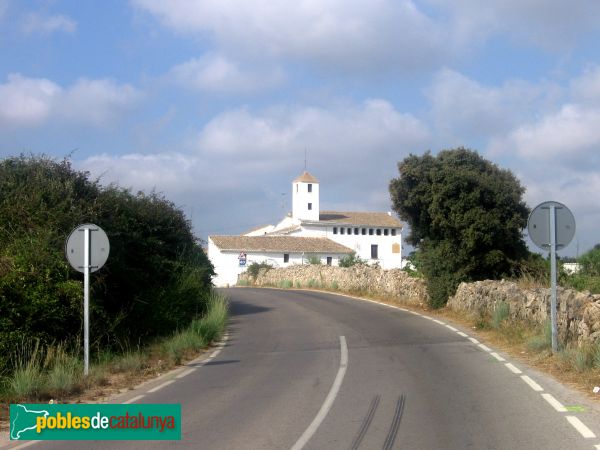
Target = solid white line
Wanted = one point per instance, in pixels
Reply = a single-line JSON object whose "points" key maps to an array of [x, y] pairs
{"points": [[134, 399], [554, 403], [536, 387], [215, 353], [314, 425], [579, 426], [597, 447], [513, 369], [484, 348], [451, 327], [473, 340], [184, 373], [439, 321], [160, 386], [460, 333], [497, 356]]}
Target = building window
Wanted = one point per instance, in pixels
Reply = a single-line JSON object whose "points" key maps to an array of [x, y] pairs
{"points": [[310, 187], [374, 252], [363, 231], [342, 229], [396, 248], [378, 231], [310, 206], [286, 257], [356, 231], [296, 188], [393, 232], [349, 230], [334, 230], [370, 231], [386, 232], [329, 260]]}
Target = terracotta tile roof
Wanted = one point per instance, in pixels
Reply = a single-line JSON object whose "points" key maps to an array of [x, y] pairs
{"points": [[279, 244], [306, 178], [375, 219]]}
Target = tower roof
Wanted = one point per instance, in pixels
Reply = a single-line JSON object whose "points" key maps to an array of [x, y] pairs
{"points": [[306, 178]]}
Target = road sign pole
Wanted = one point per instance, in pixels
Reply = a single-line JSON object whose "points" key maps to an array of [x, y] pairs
{"points": [[553, 278], [86, 301]]}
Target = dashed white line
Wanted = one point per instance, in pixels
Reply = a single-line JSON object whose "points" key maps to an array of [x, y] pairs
{"points": [[473, 340], [532, 384], [558, 406], [580, 426], [134, 399], [451, 327], [513, 369], [314, 425], [160, 386], [184, 373], [460, 333], [497, 356], [485, 348]]}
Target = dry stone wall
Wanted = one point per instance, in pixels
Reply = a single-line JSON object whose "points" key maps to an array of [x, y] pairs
{"points": [[578, 312], [578, 317]]}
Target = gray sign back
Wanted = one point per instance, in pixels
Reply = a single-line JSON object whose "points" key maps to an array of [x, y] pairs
{"points": [[99, 247], [538, 225]]}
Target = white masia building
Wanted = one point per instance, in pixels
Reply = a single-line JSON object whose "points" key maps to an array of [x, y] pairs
{"points": [[309, 233]]}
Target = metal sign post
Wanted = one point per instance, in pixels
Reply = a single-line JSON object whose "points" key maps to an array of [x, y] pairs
{"points": [[87, 254], [551, 226]]}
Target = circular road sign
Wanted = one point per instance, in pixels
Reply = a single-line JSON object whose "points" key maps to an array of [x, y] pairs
{"points": [[99, 247], [538, 225]]}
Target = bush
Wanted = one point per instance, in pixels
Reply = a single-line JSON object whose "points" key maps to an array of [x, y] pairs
{"points": [[314, 259], [255, 267], [286, 284], [351, 260], [500, 314]]}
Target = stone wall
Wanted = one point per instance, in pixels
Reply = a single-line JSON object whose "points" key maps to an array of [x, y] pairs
{"points": [[578, 312], [393, 283], [578, 317]]}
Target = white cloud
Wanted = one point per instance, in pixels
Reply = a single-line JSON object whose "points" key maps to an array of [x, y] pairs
{"points": [[36, 23], [33, 101], [3, 8], [552, 24], [217, 73], [586, 88], [363, 35]]}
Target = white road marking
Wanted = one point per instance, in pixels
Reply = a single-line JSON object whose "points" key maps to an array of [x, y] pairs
{"points": [[513, 369], [473, 340], [580, 426], [497, 356], [460, 333], [215, 353], [184, 373], [554, 403], [451, 327], [134, 399], [314, 425], [160, 386], [27, 444], [597, 447], [439, 321], [485, 348], [532, 384]]}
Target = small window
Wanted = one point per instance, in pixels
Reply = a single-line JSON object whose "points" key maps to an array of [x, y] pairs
{"points": [[374, 252], [370, 231], [286, 257], [342, 230], [309, 187], [356, 231], [393, 232], [363, 231], [329, 260], [334, 230], [386, 232], [310, 206], [349, 230], [296, 188], [378, 231]]}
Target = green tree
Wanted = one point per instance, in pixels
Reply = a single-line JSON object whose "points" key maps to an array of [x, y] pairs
{"points": [[466, 216]]}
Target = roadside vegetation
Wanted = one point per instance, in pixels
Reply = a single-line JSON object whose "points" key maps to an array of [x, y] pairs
{"points": [[153, 299]]}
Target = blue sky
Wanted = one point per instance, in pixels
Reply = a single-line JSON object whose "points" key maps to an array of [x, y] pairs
{"points": [[214, 103]]}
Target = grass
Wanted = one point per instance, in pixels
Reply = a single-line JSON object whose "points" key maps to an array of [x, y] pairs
{"points": [[243, 282], [55, 372], [286, 284], [500, 314]]}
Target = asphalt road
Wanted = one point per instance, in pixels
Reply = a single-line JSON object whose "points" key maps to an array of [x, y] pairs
{"points": [[318, 371]]}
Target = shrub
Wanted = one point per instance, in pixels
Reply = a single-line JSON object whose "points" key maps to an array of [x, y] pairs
{"points": [[298, 284], [500, 314], [312, 283], [334, 285], [255, 267], [351, 260], [285, 284], [314, 259]]}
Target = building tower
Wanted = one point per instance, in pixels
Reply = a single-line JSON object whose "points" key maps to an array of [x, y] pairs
{"points": [[305, 198]]}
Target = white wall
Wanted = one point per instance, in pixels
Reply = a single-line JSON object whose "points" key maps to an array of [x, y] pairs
{"points": [[301, 198]]}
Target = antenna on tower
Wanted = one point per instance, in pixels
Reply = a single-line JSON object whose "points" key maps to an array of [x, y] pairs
{"points": [[305, 159]]}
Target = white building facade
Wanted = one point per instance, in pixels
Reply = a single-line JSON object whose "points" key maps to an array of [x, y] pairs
{"points": [[375, 237]]}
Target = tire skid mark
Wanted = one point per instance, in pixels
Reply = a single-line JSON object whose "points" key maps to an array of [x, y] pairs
{"points": [[391, 437], [366, 423]]}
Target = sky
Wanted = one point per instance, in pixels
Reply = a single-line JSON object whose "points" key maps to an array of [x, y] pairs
{"points": [[215, 103]]}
